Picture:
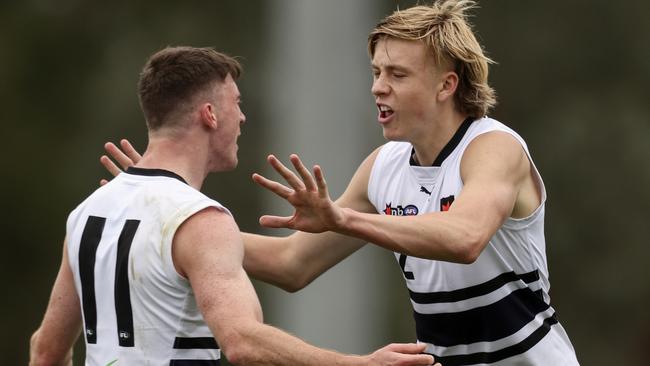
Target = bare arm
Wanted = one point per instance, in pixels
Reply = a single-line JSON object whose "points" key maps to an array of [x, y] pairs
{"points": [[52, 343], [295, 261], [494, 168], [212, 261]]}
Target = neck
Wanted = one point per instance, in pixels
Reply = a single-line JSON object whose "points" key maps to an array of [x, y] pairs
{"points": [[429, 144], [183, 156]]}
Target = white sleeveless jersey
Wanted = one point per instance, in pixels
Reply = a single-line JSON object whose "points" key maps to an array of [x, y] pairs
{"points": [[494, 311], [137, 310]]}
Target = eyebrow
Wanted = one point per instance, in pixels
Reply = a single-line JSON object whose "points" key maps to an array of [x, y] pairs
{"points": [[392, 68]]}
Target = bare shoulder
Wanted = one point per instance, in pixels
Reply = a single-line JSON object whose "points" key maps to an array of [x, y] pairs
{"points": [[497, 161], [210, 221], [495, 152], [206, 238], [208, 227]]}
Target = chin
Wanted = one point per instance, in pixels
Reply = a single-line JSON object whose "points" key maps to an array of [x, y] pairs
{"points": [[232, 165], [225, 166], [235, 162], [392, 135]]}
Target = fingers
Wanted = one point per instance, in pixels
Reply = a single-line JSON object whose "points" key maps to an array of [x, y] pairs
{"points": [[407, 347], [320, 181], [118, 155], [275, 222], [307, 179], [273, 186], [130, 151], [418, 360], [126, 157], [412, 353], [286, 173], [110, 165], [403, 354]]}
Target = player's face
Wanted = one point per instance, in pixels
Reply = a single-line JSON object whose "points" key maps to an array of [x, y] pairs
{"points": [[404, 87], [229, 121]]}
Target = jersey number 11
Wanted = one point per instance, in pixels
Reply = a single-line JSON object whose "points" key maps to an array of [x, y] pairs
{"points": [[90, 239]]}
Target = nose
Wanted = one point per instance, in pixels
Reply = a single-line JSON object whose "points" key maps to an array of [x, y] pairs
{"points": [[242, 118], [379, 86]]}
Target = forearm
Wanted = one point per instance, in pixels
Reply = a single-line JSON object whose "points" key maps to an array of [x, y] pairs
{"points": [[436, 235], [259, 344], [268, 259], [52, 343], [295, 261], [40, 354]]}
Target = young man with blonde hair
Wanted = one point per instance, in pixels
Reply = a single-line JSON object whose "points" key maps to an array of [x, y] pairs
{"points": [[459, 199], [152, 268], [454, 194]]}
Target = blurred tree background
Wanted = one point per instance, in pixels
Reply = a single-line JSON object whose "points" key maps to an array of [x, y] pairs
{"points": [[571, 77]]}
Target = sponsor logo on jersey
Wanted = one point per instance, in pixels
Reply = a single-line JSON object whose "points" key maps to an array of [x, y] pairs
{"points": [[408, 210], [445, 203]]}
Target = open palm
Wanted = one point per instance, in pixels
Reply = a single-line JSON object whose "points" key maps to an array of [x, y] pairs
{"points": [[314, 212]]}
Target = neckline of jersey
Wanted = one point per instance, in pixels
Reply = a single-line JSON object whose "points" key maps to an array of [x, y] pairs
{"points": [[154, 173], [449, 147]]}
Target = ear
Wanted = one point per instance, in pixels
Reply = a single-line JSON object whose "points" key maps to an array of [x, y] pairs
{"points": [[449, 83], [208, 115]]}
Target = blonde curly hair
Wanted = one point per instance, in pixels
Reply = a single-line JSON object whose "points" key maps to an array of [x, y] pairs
{"points": [[445, 29]]}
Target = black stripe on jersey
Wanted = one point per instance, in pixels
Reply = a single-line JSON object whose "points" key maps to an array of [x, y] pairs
{"points": [[123, 309], [472, 291], [90, 239], [194, 363], [154, 173], [482, 324], [402, 263], [195, 343], [450, 146], [502, 354]]}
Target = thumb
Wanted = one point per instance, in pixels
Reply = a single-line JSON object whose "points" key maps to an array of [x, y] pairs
{"points": [[274, 222], [412, 348]]}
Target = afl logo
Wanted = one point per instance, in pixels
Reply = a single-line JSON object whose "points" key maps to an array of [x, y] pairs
{"points": [[410, 210]]}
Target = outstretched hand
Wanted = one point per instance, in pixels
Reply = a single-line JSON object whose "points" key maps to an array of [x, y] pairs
{"points": [[402, 354], [126, 157], [314, 212]]}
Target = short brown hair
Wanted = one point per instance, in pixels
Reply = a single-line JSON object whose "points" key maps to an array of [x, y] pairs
{"points": [[174, 75], [444, 28]]}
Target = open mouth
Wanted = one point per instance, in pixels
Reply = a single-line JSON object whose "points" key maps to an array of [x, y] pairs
{"points": [[384, 111]]}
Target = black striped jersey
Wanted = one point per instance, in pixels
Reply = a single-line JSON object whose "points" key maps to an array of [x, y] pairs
{"points": [[494, 311], [137, 310]]}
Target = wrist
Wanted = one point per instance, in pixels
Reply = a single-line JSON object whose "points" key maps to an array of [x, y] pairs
{"points": [[344, 222], [355, 360]]}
